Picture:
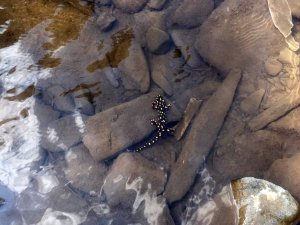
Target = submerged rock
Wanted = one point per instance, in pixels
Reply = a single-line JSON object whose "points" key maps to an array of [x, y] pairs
{"points": [[130, 169], [295, 7], [63, 133], [286, 172], [105, 21], [157, 4], [261, 202], [250, 105], [134, 69], [201, 137], [118, 128], [191, 13], [239, 33], [160, 72], [130, 6], [82, 171], [158, 41]]}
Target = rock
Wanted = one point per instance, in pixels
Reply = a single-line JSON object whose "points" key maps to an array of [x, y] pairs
{"points": [[128, 170], [235, 159], [82, 171], [274, 112], [201, 137], [250, 105], [261, 202], [111, 76], [56, 95], [157, 4], [105, 21], [63, 133], [273, 66], [289, 123], [158, 41], [189, 113], [286, 172], [295, 7], [281, 16], [118, 128], [160, 72], [221, 209], [239, 33], [184, 40], [83, 105], [44, 113], [191, 13], [287, 56], [130, 6], [134, 69]]}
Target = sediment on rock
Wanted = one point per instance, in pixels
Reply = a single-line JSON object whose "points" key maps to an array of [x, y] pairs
{"points": [[201, 137]]}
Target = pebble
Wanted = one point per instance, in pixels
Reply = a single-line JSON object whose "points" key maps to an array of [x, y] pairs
{"points": [[273, 66], [158, 41]]}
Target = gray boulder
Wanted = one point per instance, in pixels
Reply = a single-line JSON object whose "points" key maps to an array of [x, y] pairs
{"points": [[130, 176], [201, 137], [82, 171], [191, 13], [119, 127], [130, 6], [63, 133], [134, 69]]}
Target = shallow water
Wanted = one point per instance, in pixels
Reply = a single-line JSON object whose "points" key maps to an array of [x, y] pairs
{"points": [[57, 65]]}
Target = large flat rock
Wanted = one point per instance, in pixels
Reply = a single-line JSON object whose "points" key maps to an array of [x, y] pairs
{"points": [[201, 137], [118, 128]]}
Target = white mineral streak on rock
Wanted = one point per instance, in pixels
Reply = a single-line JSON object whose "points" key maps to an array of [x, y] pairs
{"points": [[51, 217], [153, 206], [281, 15], [118, 178]]}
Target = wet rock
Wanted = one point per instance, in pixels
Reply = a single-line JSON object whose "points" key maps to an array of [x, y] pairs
{"points": [[261, 202], [250, 105], [189, 113], [55, 95], [295, 7], [128, 170], [273, 66], [184, 40], [289, 123], [82, 171], [44, 113], [235, 159], [105, 21], [134, 69], [274, 112], [111, 76], [84, 106], [201, 137], [286, 172], [287, 56], [239, 33], [191, 13], [221, 209], [63, 133], [158, 41], [130, 6], [159, 73], [117, 128], [157, 4]]}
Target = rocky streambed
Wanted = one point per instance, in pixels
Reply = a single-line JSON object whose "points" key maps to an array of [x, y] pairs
{"points": [[149, 112]]}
